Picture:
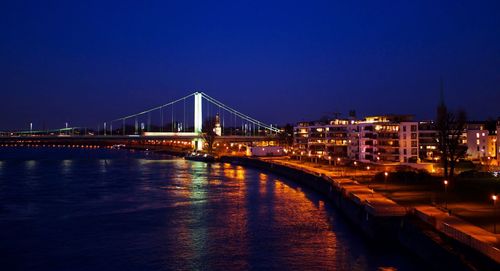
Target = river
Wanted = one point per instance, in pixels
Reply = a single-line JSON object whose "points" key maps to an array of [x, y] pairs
{"points": [[80, 209]]}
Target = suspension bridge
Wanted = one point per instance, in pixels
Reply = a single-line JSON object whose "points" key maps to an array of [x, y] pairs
{"points": [[187, 121]]}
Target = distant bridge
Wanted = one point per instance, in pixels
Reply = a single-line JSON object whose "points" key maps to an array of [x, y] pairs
{"points": [[189, 118]]}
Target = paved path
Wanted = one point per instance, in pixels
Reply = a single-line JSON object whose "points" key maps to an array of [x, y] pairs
{"points": [[459, 229]]}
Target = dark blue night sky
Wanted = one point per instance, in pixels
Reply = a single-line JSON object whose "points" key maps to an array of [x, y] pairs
{"points": [[278, 61]]}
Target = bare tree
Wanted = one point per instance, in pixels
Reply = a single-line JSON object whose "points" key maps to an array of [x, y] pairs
{"points": [[450, 128], [456, 150], [442, 129]]}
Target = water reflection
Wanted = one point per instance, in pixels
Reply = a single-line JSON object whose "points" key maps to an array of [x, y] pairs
{"points": [[103, 165], [66, 166], [30, 165], [160, 214]]}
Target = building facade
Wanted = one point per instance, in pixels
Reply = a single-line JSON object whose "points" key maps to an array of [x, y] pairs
{"points": [[427, 142], [314, 138], [383, 139], [481, 143], [392, 139]]}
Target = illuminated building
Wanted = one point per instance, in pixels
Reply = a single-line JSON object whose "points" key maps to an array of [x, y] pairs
{"points": [[498, 143], [427, 140], [388, 139], [381, 139], [481, 143], [316, 138], [217, 128]]}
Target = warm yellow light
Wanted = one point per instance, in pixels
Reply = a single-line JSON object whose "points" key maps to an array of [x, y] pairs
{"points": [[385, 173], [494, 197], [445, 182]]}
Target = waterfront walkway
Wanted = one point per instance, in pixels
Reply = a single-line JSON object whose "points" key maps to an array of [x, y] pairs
{"points": [[468, 234]]}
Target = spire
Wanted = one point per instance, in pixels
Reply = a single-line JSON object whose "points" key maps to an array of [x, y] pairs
{"points": [[441, 92]]}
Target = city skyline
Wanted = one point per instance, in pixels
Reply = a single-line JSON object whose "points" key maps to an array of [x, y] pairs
{"points": [[86, 63], [250, 135]]}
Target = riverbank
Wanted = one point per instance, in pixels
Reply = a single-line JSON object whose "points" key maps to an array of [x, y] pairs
{"points": [[444, 241]]}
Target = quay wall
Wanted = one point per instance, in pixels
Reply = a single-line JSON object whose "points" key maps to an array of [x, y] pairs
{"points": [[408, 231]]}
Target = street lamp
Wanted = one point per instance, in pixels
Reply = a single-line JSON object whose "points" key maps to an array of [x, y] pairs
{"points": [[329, 160], [367, 167], [445, 182], [385, 179], [494, 198], [355, 167]]}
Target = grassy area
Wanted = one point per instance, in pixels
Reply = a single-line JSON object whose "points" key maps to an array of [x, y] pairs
{"points": [[468, 196]]}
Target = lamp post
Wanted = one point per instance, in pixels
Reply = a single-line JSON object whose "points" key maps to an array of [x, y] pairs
{"points": [[385, 179], [445, 182], [329, 160], [338, 161], [494, 198], [355, 167]]}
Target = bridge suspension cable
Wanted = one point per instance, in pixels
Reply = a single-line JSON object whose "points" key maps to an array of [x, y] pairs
{"points": [[231, 120], [239, 114], [154, 108]]}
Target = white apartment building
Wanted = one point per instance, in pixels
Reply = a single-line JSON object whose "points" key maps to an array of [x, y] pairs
{"points": [[408, 142], [480, 144], [381, 139], [322, 139], [388, 139], [498, 143]]}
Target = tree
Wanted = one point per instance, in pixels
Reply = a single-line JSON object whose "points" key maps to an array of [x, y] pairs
{"points": [[450, 127], [456, 150], [442, 130], [208, 133]]}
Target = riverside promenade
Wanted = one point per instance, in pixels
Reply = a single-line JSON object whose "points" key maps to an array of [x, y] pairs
{"points": [[461, 231]]}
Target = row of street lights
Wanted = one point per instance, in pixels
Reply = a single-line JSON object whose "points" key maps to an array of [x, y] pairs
{"points": [[445, 183], [494, 198]]}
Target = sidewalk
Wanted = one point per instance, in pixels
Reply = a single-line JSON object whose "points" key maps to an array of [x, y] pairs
{"points": [[471, 235]]}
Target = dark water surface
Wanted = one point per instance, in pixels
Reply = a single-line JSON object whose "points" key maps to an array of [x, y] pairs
{"points": [[72, 209]]}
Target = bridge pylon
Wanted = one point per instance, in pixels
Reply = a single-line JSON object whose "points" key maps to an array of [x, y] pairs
{"points": [[198, 120]]}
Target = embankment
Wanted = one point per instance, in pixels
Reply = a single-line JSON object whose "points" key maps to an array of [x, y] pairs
{"points": [[379, 218]]}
